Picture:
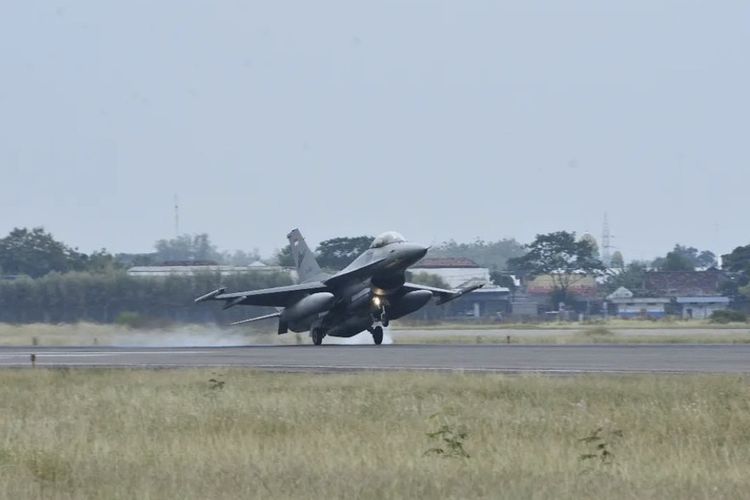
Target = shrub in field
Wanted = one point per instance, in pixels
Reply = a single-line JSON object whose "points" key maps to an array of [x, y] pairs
{"points": [[728, 316], [599, 446], [599, 331], [130, 319], [448, 439]]}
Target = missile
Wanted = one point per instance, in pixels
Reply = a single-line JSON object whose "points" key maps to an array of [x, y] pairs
{"points": [[234, 302], [210, 295]]}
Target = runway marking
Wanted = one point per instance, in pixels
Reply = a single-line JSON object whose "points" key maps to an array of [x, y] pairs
{"points": [[67, 354], [359, 368]]}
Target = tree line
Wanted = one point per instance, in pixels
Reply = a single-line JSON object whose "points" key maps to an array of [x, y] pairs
{"points": [[105, 296], [47, 280]]}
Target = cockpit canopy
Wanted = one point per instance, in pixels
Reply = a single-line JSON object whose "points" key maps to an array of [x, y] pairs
{"points": [[386, 239]]}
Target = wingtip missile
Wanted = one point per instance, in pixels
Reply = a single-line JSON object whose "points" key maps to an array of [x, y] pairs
{"points": [[460, 293], [259, 318], [210, 295]]}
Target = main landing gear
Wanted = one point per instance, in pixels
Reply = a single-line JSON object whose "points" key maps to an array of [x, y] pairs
{"points": [[384, 317], [377, 334], [317, 335]]}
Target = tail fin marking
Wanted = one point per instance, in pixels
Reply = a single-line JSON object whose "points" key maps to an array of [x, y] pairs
{"points": [[307, 267]]}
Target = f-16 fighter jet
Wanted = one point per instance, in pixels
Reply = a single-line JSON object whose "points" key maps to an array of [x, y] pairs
{"points": [[366, 295]]}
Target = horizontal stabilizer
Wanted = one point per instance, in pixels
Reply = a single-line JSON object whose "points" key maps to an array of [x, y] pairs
{"points": [[210, 295], [259, 318]]}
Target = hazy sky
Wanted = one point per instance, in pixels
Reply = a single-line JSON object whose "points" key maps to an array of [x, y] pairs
{"points": [[451, 119]]}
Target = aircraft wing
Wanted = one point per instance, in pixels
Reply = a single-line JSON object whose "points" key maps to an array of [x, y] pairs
{"points": [[442, 294], [281, 296]]}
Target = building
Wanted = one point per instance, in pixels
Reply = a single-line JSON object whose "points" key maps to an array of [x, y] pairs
{"points": [[684, 283], [582, 286], [700, 307], [627, 306], [684, 294], [455, 271], [488, 302]]}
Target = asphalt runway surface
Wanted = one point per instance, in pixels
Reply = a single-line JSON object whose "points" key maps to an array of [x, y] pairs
{"points": [[551, 359]]}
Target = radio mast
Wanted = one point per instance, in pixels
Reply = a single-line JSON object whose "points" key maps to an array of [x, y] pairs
{"points": [[176, 217], [606, 243]]}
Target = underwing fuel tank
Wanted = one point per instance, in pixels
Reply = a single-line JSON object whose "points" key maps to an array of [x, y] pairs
{"points": [[310, 305], [409, 303]]}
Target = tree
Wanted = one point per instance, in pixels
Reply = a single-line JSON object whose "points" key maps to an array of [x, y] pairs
{"points": [[503, 279], [337, 253], [240, 257], [617, 260], [675, 261], [101, 261], [594, 244], [631, 277], [560, 256], [737, 265], [489, 254], [187, 248], [284, 257], [683, 258], [427, 279], [738, 261], [36, 253]]}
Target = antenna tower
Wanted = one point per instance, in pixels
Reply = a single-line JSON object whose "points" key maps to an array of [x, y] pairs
{"points": [[606, 243], [176, 217]]}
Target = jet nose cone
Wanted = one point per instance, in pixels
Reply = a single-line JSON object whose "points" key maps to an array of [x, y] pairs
{"points": [[417, 251]]}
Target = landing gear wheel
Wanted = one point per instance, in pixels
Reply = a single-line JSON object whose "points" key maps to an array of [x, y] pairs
{"points": [[317, 336], [377, 335]]}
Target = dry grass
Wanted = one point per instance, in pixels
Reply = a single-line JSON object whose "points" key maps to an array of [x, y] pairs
{"points": [[176, 434]]}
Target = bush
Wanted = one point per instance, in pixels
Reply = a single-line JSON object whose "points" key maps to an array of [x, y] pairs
{"points": [[130, 319], [598, 331], [728, 316]]}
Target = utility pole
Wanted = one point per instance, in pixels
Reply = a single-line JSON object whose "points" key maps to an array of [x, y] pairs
{"points": [[176, 217], [606, 243]]}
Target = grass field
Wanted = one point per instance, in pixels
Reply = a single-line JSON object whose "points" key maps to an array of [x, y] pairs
{"points": [[241, 434]]}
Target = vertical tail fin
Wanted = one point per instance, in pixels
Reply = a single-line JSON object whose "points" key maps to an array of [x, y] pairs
{"points": [[307, 267]]}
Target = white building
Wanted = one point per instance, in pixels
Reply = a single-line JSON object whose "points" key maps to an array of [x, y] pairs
{"points": [[701, 307], [687, 307]]}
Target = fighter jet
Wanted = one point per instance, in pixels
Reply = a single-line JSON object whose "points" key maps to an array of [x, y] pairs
{"points": [[366, 295]]}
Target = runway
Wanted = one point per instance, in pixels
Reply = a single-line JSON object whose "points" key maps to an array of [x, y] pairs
{"points": [[551, 359]]}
